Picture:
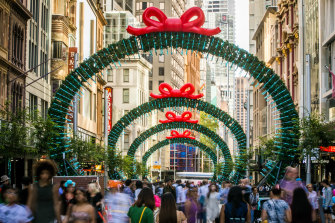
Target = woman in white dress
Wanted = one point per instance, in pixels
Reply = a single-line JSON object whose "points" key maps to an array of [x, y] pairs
{"points": [[212, 203]]}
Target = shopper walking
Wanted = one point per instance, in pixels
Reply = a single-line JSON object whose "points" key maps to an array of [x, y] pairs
{"points": [[82, 211], [117, 204], [253, 199], [43, 196], [12, 212], [276, 210], [302, 211], [168, 212], [67, 198], [191, 205], [95, 199], [169, 188], [236, 210], [142, 210], [312, 197], [327, 200], [212, 203], [139, 186]]}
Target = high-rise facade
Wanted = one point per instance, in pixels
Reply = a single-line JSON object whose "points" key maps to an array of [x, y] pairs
{"points": [[165, 67], [14, 16], [257, 10], [221, 14], [38, 90], [241, 97], [78, 25], [327, 57], [129, 82]]}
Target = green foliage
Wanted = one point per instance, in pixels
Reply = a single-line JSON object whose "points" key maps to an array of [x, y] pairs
{"points": [[267, 148], [14, 133], [315, 132], [212, 124], [43, 133], [132, 168], [25, 134], [86, 151]]}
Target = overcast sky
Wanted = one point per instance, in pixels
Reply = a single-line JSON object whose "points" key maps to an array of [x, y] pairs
{"points": [[242, 23]]}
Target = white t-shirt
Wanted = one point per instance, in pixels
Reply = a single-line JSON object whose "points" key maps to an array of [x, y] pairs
{"points": [[15, 214]]}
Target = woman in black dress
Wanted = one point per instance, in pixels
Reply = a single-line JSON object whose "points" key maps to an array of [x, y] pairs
{"points": [[95, 199]]}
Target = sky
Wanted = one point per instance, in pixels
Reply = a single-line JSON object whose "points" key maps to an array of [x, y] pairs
{"points": [[242, 23]]}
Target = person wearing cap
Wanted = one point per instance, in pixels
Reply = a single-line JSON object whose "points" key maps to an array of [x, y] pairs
{"points": [[4, 185], [116, 204]]}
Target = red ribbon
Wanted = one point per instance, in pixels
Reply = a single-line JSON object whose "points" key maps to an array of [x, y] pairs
{"points": [[165, 24], [185, 134], [176, 93], [172, 117]]}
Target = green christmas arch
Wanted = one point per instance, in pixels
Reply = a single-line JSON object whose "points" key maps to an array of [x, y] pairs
{"points": [[193, 142], [271, 84], [193, 127]]}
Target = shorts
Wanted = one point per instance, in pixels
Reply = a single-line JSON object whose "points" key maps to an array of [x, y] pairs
{"points": [[327, 210]]}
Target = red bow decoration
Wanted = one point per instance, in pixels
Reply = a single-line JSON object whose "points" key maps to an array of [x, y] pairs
{"points": [[165, 24], [176, 93], [172, 117], [175, 134]]}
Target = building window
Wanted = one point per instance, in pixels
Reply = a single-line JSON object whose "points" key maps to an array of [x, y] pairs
{"points": [[144, 5], [94, 107], [87, 104], [126, 75], [161, 71], [17, 46], [58, 50], [150, 85], [126, 141], [161, 58], [33, 106], [126, 95], [161, 5], [125, 112], [160, 82], [110, 75], [44, 109]]}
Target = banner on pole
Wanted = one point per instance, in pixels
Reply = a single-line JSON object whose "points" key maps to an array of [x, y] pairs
{"points": [[109, 107]]}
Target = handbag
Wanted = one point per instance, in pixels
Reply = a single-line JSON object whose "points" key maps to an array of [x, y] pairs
{"points": [[142, 214]]}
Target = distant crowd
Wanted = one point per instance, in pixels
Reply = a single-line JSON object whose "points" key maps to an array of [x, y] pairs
{"points": [[140, 201]]}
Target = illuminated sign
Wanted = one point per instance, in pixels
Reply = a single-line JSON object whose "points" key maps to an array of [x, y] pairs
{"points": [[109, 107], [330, 149]]}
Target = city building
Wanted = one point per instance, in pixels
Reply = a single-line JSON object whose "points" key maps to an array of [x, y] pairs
{"points": [[241, 97], [327, 57], [129, 82], [165, 67], [266, 37], [77, 26], [13, 23], [90, 22], [326, 14], [14, 16], [38, 81], [257, 10]]}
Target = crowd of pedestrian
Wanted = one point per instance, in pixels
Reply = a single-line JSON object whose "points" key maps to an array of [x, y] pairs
{"points": [[139, 201]]}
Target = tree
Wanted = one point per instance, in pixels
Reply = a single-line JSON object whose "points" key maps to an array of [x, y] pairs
{"points": [[86, 151], [315, 132], [42, 134], [212, 124], [14, 133]]}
